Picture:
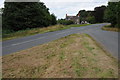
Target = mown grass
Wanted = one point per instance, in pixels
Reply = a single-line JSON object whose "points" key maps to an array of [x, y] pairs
{"points": [[28, 32], [109, 28], [80, 57]]}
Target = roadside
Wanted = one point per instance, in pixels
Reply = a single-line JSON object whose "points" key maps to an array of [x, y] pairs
{"points": [[74, 56], [108, 28], [34, 31]]}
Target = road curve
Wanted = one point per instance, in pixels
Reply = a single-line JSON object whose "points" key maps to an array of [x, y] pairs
{"points": [[109, 40]]}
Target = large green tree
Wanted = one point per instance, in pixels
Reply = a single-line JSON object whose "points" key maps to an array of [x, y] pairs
{"points": [[112, 14], [99, 14], [83, 15], [23, 15], [91, 19], [87, 16]]}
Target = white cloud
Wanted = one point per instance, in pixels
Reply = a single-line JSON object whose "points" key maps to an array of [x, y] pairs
{"points": [[1, 3], [74, 0], [71, 8]]}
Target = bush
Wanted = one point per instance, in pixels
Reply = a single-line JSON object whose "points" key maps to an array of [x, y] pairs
{"points": [[91, 19], [117, 25], [65, 22]]}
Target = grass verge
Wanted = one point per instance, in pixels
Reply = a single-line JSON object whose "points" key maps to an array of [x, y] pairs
{"points": [[34, 31], [109, 28], [74, 56]]}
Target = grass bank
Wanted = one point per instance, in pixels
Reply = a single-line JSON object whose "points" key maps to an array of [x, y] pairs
{"points": [[74, 56], [109, 28], [34, 31]]}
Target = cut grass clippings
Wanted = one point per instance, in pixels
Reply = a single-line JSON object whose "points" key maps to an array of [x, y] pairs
{"points": [[23, 33], [74, 56]]}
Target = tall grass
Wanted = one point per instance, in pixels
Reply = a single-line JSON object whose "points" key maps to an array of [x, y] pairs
{"points": [[110, 28], [33, 31]]}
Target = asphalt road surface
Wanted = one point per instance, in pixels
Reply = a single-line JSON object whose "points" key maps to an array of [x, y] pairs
{"points": [[108, 39]]}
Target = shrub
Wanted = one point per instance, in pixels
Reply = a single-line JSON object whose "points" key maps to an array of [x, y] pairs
{"points": [[65, 22], [91, 19]]}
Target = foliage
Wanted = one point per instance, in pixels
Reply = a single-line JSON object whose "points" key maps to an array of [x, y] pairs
{"points": [[65, 22], [1, 10], [96, 16], [87, 16], [99, 14], [83, 15], [91, 19], [118, 15], [22, 15], [112, 13], [53, 19]]}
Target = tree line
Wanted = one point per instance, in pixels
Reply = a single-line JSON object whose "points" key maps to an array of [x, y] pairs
{"points": [[95, 16], [109, 13], [21, 15]]}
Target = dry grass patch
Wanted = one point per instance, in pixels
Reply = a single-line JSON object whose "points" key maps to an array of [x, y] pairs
{"points": [[108, 28], [28, 32], [74, 56]]}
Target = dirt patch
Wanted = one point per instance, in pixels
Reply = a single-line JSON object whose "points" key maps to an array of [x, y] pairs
{"points": [[74, 56]]}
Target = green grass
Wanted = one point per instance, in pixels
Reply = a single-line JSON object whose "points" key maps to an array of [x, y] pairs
{"points": [[28, 32], [78, 68], [62, 56], [86, 44], [50, 55]]}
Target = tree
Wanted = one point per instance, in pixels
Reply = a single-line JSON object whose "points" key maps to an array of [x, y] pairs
{"points": [[99, 14], [0, 21], [91, 19], [22, 15], [54, 21], [112, 13], [1, 10], [87, 16], [118, 15], [83, 15]]}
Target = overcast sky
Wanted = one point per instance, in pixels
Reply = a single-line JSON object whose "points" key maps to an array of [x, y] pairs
{"points": [[71, 7]]}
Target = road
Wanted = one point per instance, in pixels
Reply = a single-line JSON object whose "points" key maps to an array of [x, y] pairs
{"points": [[109, 40]]}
